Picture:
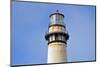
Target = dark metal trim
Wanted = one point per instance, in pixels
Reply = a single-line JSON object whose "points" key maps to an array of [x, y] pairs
{"points": [[56, 25], [54, 33], [57, 41], [56, 14]]}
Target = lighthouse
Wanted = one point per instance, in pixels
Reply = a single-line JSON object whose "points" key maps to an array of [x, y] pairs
{"points": [[57, 37]]}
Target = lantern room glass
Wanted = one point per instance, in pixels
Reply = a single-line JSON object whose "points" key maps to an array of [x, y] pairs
{"points": [[56, 19]]}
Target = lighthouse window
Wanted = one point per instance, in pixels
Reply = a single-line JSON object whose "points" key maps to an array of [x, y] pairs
{"points": [[53, 37], [63, 38], [50, 38], [57, 18], [52, 19], [56, 37], [60, 19], [59, 37]]}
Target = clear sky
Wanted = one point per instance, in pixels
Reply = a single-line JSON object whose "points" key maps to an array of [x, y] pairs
{"points": [[30, 22]]}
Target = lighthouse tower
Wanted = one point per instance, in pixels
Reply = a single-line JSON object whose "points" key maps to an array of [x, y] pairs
{"points": [[57, 37]]}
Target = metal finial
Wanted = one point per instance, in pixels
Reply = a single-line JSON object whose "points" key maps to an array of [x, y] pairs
{"points": [[57, 11]]}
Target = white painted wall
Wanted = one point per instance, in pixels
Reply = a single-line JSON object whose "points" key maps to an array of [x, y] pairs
{"points": [[57, 52]]}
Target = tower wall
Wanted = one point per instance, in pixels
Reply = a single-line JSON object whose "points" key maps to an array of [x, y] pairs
{"points": [[57, 52]]}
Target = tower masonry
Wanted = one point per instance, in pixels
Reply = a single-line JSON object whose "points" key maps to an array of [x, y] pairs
{"points": [[57, 37]]}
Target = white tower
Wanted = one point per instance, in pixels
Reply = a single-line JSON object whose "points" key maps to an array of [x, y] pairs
{"points": [[57, 37]]}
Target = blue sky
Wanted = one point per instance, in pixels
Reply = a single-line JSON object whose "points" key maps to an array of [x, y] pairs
{"points": [[30, 22]]}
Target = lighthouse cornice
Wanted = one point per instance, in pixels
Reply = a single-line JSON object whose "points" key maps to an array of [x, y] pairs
{"points": [[57, 24]]}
